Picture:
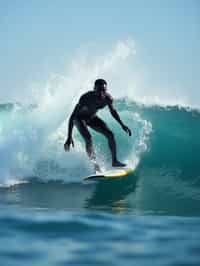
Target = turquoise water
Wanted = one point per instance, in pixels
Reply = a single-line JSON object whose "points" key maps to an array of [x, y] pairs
{"points": [[49, 216], [39, 237]]}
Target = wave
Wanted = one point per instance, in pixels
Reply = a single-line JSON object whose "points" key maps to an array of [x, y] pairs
{"points": [[31, 148], [165, 140]]}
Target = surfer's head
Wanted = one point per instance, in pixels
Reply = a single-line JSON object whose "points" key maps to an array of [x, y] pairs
{"points": [[100, 86]]}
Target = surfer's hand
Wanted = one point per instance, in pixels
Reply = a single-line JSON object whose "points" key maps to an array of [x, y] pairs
{"points": [[127, 130], [67, 144]]}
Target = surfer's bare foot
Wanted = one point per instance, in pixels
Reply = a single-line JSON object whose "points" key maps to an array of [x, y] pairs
{"points": [[118, 164]]}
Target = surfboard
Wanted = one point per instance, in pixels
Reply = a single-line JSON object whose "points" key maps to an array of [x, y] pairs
{"points": [[115, 172]]}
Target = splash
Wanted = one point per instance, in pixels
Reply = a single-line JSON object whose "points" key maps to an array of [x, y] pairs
{"points": [[32, 136]]}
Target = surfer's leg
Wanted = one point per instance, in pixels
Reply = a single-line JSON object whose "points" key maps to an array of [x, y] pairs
{"points": [[82, 128], [100, 126]]}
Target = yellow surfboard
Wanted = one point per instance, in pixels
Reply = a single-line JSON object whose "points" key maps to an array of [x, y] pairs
{"points": [[115, 172]]}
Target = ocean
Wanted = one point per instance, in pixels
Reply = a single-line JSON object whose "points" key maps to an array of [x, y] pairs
{"points": [[50, 216]]}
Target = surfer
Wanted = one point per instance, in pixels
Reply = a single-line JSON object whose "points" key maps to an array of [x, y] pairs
{"points": [[84, 116]]}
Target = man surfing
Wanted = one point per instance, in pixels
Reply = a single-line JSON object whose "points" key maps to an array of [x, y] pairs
{"points": [[84, 116]]}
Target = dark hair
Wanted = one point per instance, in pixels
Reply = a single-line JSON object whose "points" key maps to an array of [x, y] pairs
{"points": [[100, 83]]}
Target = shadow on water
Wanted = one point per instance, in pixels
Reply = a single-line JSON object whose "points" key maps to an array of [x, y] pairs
{"points": [[146, 191], [112, 193], [57, 195]]}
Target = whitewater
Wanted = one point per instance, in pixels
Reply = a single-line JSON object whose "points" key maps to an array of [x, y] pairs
{"points": [[32, 133], [50, 216]]}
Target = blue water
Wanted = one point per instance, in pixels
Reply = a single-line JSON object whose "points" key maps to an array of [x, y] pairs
{"points": [[49, 216]]}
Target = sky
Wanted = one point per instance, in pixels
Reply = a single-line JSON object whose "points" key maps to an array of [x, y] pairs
{"points": [[39, 38]]}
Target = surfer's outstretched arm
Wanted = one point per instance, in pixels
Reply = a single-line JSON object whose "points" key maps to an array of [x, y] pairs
{"points": [[115, 114], [71, 121], [69, 140]]}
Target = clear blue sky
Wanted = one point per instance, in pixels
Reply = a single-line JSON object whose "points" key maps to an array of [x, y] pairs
{"points": [[37, 38]]}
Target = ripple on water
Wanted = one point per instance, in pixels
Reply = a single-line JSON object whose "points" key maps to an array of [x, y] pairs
{"points": [[97, 239]]}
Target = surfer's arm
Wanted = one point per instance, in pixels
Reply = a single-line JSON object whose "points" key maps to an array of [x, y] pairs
{"points": [[115, 114], [71, 120], [77, 109], [69, 140], [73, 116]]}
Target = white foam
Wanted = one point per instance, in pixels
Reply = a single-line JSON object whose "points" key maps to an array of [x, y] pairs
{"points": [[31, 142]]}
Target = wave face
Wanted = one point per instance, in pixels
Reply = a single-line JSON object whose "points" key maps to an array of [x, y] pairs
{"points": [[165, 138], [174, 141], [164, 147], [30, 148]]}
